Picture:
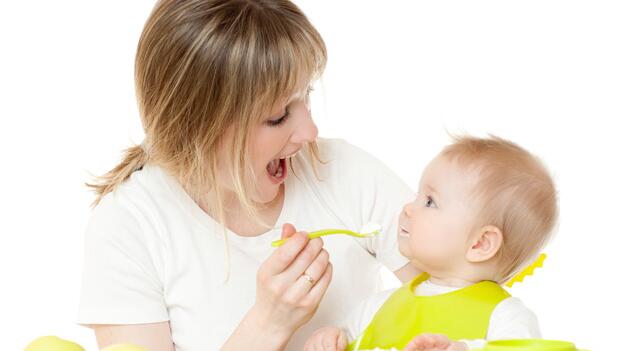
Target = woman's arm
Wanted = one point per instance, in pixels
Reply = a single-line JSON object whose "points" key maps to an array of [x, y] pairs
{"points": [[152, 336], [249, 335], [253, 334]]}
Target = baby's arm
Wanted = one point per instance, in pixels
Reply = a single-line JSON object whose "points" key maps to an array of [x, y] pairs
{"points": [[327, 339], [511, 319], [350, 327]]}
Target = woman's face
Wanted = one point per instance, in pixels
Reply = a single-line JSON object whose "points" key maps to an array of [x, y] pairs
{"points": [[274, 140]]}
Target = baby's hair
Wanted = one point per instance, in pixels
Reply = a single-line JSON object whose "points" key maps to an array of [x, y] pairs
{"points": [[514, 192]]}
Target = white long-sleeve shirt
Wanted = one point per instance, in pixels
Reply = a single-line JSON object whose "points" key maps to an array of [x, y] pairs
{"points": [[510, 319]]}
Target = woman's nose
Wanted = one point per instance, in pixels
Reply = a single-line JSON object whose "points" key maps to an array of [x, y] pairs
{"points": [[306, 131]]}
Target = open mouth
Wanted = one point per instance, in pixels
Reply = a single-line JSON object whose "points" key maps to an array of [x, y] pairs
{"points": [[277, 170]]}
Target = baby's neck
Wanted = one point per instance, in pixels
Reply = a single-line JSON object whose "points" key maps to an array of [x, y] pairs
{"points": [[451, 281]]}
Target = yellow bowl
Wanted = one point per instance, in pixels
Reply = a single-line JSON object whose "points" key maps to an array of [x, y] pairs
{"points": [[530, 345]]}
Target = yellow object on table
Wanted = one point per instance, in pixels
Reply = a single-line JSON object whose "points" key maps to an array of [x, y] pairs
{"points": [[124, 347], [529, 345], [54, 343]]}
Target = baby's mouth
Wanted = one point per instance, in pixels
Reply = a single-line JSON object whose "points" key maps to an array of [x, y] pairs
{"points": [[403, 232]]}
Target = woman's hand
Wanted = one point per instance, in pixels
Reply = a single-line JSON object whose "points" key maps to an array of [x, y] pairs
{"points": [[327, 339], [289, 287], [291, 283]]}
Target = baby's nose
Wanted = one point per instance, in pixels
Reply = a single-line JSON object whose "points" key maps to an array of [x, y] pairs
{"points": [[407, 210]]}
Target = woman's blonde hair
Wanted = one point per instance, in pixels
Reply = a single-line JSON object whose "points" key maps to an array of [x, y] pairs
{"points": [[514, 192], [204, 67]]}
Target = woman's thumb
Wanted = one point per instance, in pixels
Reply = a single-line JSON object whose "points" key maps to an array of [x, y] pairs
{"points": [[288, 230]]}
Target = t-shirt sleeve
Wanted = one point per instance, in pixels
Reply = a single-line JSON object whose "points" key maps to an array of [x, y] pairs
{"points": [[371, 192], [511, 319], [388, 196], [123, 268]]}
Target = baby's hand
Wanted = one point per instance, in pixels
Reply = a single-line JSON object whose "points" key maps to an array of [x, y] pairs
{"points": [[326, 339], [434, 342]]}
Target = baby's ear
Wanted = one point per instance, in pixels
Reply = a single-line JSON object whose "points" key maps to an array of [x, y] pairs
{"points": [[485, 244]]}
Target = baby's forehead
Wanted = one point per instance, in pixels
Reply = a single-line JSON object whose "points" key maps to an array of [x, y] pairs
{"points": [[447, 175], [446, 166]]}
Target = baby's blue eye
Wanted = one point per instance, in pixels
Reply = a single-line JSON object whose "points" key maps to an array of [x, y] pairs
{"points": [[430, 203]]}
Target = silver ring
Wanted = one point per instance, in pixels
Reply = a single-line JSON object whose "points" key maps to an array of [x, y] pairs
{"points": [[308, 278]]}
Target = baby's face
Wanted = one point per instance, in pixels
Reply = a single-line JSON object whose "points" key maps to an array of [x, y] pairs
{"points": [[434, 229]]}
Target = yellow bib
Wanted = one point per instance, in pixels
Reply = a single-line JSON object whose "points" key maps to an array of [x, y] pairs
{"points": [[460, 314]]}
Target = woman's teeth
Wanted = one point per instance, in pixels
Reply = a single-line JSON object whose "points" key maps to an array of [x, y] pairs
{"points": [[280, 170], [275, 168]]}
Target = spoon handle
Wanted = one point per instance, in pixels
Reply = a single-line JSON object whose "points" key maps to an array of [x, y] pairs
{"points": [[320, 233]]}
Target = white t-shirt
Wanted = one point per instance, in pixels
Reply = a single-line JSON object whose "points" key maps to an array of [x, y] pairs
{"points": [[152, 254], [510, 319]]}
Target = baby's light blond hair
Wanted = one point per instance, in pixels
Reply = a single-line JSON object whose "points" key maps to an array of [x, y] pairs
{"points": [[514, 192]]}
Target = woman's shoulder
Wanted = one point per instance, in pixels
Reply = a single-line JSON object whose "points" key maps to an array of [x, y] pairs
{"points": [[145, 187], [342, 166], [339, 155], [334, 148], [135, 205]]}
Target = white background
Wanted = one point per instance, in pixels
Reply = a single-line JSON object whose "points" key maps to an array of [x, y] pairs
{"points": [[546, 74]]}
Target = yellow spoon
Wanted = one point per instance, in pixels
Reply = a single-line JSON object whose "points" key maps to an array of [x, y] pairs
{"points": [[368, 230]]}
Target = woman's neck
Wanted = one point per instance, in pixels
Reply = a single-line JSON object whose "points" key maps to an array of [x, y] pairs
{"points": [[238, 221]]}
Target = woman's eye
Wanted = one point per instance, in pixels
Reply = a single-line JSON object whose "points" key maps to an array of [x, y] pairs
{"points": [[279, 121], [430, 203]]}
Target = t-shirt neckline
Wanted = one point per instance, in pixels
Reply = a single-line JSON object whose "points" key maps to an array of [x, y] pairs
{"points": [[212, 225]]}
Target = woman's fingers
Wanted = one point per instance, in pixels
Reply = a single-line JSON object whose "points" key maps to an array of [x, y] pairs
{"points": [[288, 230], [317, 292], [309, 278], [303, 261], [284, 255]]}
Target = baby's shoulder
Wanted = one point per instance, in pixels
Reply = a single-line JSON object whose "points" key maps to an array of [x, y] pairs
{"points": [[512, 308]]}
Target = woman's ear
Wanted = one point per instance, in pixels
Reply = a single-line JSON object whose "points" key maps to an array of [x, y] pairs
{"points": [[485, 244]]}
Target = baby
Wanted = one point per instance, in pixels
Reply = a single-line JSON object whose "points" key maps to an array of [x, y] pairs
{"points": [[484, 210]]}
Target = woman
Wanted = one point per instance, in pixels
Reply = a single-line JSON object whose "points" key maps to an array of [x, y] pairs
{"points": [[177, 250]]}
